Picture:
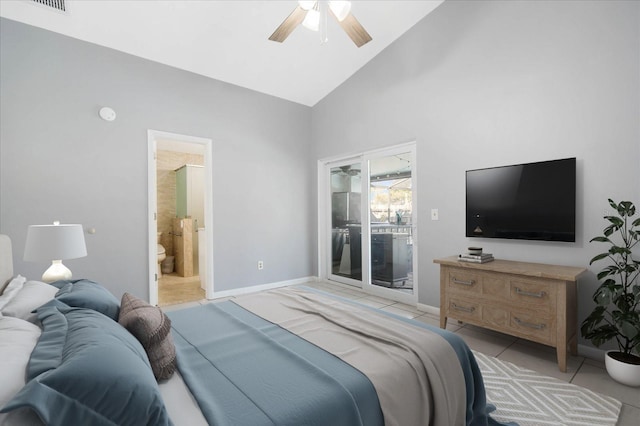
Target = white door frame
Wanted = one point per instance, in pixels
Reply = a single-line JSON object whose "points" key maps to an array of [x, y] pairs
{"points": [[324, 219], [152, 138]]}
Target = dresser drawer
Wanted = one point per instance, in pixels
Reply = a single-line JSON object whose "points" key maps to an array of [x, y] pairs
{"points": [[533, 293], [532, 325], [463, 281], [464, 309]]}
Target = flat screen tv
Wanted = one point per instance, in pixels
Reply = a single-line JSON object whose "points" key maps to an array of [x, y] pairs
{"points": [[532, 201]]}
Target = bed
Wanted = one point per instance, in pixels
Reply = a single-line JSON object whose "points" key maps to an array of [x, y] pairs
{"points": [[75, 354]]}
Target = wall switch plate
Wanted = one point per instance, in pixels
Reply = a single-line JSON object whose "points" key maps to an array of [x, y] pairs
{"points": [[434, 214], [260, 265]]}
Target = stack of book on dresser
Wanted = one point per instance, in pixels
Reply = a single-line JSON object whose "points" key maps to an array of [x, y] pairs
{"points": [[476, 258]]}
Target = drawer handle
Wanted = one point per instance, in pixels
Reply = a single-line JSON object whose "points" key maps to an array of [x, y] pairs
{"points": [[468, 283], [528, 324], [462, 308], [539, 294]]}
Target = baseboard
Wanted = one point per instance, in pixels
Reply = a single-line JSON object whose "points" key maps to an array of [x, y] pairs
{"points": [[428, 309], [591, 352], [261, 287]]}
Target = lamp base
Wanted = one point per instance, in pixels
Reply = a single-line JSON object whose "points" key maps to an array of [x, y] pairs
{"points": [[57, 271]]}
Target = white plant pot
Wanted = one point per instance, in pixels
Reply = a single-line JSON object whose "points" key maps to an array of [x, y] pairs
{"points": [[622, 372]]}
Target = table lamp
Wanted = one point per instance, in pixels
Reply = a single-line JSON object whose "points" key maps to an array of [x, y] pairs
{"points": [[55, 242]]}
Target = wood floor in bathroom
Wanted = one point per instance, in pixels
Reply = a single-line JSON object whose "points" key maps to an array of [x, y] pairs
{"points": [[174, 289]]}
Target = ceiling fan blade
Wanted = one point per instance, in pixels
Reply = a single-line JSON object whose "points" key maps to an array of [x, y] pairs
{"points": [[354, 30], [288, 25]]}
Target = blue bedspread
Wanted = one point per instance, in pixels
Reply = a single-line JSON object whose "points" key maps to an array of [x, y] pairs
{"points": [[244, 370]]}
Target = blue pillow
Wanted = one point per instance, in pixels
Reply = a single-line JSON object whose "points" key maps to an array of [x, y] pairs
{"points": [[88, 294], [87, 369]]}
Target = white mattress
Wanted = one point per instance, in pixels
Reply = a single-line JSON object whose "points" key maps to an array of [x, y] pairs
{"points": [[181, 406]]}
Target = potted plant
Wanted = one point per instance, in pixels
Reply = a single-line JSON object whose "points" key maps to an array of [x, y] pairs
{"points": [[617, 312]]}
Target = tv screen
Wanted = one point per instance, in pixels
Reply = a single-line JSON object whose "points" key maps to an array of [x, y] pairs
{"points": [[532, 201]]}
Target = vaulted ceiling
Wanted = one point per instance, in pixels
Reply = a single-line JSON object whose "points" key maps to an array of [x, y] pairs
{"points": [[228, 40]]}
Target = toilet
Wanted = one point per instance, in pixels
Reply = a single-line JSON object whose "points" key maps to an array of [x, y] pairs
{"points": [[161, 255]]}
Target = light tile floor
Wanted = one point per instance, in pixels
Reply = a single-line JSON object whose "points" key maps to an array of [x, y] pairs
{"points": [[581, 371], [174, 289]]}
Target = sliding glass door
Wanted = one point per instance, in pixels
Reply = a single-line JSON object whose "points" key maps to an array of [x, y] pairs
{"points": [[390, 232], [370, 222]]}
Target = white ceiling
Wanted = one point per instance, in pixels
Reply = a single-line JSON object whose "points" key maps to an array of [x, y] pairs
{"points": [[228, 40]]}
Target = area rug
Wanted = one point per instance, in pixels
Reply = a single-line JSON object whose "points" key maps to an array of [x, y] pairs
{"points": [[529, 398]]}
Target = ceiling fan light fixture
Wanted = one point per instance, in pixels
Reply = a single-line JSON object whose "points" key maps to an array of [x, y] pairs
{"points": [[313, 15], [306, 5], [312, 20], [340, 9]]}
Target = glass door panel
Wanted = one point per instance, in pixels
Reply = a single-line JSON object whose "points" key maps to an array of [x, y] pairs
{"points": [[391, 221], [346, 227]]}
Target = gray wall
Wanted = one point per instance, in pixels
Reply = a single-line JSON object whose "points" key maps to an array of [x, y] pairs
{"points": [[476, 84], [60, 161], [480, 84]]}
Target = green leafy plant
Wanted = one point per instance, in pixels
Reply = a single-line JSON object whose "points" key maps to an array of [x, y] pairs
{"points": [[617, 312]]}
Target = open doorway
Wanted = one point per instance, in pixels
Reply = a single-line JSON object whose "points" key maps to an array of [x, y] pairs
{"points": [[180, 206]]}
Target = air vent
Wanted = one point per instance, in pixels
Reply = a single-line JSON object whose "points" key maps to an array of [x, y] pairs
{"points": [[57, 5]]}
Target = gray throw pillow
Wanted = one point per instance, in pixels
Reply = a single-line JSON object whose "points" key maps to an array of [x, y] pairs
{"points": [[152, 328]]}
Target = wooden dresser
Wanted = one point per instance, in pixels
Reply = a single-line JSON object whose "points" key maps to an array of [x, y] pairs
{"points": [[532, 301]]}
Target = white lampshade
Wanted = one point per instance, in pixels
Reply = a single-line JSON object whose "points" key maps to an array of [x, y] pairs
{"points": [[54, 243]]}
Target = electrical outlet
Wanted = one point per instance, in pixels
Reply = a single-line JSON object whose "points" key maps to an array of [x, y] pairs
{"points": [[434, 214], [260, 265]]}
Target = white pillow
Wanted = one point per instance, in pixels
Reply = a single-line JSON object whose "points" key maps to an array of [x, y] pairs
{"points": [[17, 340], [11, 290], [32, 295]]}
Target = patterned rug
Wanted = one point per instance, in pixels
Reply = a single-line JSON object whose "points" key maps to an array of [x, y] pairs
{"points": [[529, 398]]}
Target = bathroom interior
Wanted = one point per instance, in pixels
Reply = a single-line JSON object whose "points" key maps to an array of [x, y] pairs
{"points": [[180, 221]]}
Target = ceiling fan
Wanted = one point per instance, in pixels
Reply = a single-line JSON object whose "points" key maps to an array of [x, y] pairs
{"points": [[345, 171], [313, 15]]}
